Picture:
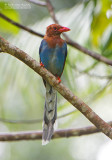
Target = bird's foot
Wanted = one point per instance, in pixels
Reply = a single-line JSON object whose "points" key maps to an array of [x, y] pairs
{"points": [[59, 80], [41, 64]]}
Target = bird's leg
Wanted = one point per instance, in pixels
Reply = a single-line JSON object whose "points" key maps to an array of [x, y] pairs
{"points": [[41, 64], [58, 78]]}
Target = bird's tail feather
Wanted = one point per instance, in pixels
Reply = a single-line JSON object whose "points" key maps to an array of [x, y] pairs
{"points": [[50, 114]]}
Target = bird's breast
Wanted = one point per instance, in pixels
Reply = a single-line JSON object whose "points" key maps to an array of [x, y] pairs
{"points": [[56, 59], [53, 41], [53, 58]]}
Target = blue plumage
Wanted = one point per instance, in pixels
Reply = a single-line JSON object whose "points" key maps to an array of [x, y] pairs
{"points": [[53, 58]]}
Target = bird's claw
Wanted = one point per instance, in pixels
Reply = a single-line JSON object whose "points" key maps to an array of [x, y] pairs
{"points": [[59, 80], [41, 64]]}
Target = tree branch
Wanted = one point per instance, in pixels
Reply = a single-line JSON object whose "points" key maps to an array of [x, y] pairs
{"points": [[51, 11], [20, 26], [39, 3], [65, 92], [92, 54], [34, 135]]}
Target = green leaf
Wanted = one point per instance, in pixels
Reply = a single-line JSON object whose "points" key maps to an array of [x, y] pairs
{"points": [[107, 53], [5, 26], [108, 43], [100, 22]]}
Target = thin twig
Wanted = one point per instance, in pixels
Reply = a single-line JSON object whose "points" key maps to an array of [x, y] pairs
{"points": [[93, 97], [66, 114], [89, 74], [20, 26], [96, 76], [90, 53], [65, 92], [20, 121], [32, 121], [51, 11], [93, 54], [39, 3], [34, 135]]}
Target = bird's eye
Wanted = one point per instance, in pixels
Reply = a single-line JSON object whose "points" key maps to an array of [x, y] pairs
{"points": [[55, 28]]}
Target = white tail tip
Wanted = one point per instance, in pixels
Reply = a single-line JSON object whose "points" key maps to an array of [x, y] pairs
{"points": [[44, 142]]}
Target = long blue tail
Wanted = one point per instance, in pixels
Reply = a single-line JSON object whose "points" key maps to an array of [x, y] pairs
{"points": [[50, 114]]}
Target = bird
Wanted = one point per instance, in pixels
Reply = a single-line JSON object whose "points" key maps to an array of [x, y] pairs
{"points": [[53, 53]]}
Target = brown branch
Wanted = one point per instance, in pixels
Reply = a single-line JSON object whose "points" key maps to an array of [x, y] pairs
{"points": [[39, 3], [34, 135], [93, 54], [51, 11], [20, 25], [65, 92]]}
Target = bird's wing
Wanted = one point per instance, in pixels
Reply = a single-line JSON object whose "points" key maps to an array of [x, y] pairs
{"points": [[41, 45]]}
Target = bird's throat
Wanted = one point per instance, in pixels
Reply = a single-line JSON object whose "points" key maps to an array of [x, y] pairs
{"points": [[53, 41]]}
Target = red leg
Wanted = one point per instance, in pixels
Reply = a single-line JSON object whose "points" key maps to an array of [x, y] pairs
{"points": [[41, 64], [59, 80]]}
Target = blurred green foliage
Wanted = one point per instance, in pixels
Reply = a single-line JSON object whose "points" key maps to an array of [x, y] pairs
{"points": [[7, 10], [100, 22], [22, 91]]}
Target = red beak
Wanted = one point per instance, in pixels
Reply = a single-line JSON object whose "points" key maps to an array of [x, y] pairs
{"points": [[64, 29]]}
